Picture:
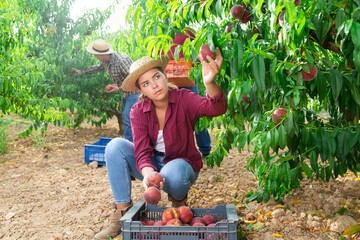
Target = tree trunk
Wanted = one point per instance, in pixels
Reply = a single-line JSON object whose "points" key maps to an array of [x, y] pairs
{"points": [[120, 122]]}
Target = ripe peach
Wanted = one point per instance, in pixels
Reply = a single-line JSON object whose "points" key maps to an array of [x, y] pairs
{"points": [[159, 223], [144, 221], [259, 36], [205, 51], [186, 214], [237, 11], [170, 213], [245, 99], [228, 28], [174, 222], [278, 114], [245, 17], [197, 220], [150, 223], [199, 224], [209, 219], [311, 75], [152, 195], [108, 88], [297, 2], [154, 179]]}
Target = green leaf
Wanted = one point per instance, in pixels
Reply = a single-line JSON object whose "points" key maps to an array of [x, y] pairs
{"points": [[286, 174], [218, 7], [340, 18], [274, 138], [355, 34], [289, 124], [314, 163], [273, 69], [296, 97], [258, 66], [336, 82], [352, 229], [355, 91], [236, 58], [285, 159], [306, 170], [322, 143], [282, 137]]}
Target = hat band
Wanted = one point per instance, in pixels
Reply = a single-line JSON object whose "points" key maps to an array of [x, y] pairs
{"points": [[100, 50]]}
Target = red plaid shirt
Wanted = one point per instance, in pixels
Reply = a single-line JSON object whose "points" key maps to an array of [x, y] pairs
{"points": [[184, 107]]}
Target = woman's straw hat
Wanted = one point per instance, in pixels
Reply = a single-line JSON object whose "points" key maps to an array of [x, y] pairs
{"points": [[99, 47], [140, 67]]}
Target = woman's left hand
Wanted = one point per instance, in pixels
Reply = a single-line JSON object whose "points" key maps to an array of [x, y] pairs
{"points": [[211, 67]]}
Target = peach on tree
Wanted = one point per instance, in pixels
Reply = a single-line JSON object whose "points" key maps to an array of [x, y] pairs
{"points": [[311, 74], [237, 11], [278, 114]]}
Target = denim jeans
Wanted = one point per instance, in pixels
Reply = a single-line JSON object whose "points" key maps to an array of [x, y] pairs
{"points": [[202, 137], [127, 104], [121, 165]]}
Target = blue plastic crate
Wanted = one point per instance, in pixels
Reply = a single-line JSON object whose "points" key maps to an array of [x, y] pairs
{"points": [[133, 229], [96, 151]]}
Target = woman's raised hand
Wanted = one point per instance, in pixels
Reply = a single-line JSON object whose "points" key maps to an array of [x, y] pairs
{"points": [[211, 67]]}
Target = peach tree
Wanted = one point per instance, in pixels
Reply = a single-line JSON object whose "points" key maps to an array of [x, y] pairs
{"points": [[290, 73]]}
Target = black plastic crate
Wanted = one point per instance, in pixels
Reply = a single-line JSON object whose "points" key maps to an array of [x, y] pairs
{"points": [[133, 229], [96, 151]]}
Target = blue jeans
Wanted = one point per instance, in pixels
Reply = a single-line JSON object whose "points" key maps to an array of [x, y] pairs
{"points": [[202, 137], [127, 104], [121, 165]]}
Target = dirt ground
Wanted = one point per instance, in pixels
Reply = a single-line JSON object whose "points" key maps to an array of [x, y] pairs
{"points": [[48, 192]]}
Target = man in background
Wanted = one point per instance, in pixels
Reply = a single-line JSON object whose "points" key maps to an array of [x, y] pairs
{"points": [[117, 66]]}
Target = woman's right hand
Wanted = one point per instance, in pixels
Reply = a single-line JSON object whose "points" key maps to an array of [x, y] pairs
{"points": [[146, 172]]}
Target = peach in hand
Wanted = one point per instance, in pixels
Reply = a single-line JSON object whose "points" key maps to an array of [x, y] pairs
{"points": [[154, 179], [152, 195]]}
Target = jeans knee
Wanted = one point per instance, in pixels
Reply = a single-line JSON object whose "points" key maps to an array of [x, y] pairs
{"points": [[115, 147]]}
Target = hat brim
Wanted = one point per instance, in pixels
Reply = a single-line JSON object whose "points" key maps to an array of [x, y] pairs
{"points": [[91, 49], [129, 82]]}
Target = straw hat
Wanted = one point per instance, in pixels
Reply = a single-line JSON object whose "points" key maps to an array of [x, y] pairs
{"points": [[141, 66], [99, 47]]}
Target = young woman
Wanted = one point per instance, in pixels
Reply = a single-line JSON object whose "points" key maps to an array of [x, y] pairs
{"points": [[162, 124]]}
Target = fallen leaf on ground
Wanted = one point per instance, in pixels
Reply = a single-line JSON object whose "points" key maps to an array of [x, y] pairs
{"points": [[352, 229], [277, 235], [268, 213]]}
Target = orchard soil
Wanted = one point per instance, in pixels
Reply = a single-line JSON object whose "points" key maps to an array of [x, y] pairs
{"points": [[48, 192]]}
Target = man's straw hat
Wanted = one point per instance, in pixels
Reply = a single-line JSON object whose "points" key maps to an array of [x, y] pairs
{"points": [[99, 47], [140, 67]]}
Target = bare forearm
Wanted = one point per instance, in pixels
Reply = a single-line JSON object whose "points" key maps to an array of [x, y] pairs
{"points": [[212, 89]]}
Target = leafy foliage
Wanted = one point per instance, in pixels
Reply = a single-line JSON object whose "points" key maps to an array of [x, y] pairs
{"points": [[40, 44], [265, 60]]}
